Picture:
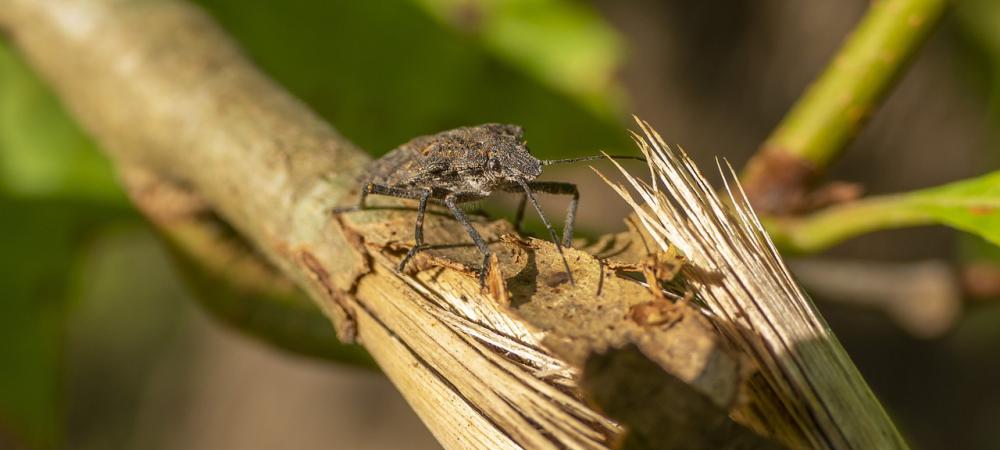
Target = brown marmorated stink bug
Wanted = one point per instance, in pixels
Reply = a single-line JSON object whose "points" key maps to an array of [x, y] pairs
{"points": [[468, 164]]}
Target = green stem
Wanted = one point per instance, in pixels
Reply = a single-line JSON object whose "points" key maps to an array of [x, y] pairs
{"points": [[816, 232], [835, 107]]}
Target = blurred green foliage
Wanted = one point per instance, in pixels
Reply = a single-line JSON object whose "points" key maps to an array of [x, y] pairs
{"points": [[385, 71], [42, 243], [43, 153], [976, 24], [31, 320], [559, 42], [56, 191]]}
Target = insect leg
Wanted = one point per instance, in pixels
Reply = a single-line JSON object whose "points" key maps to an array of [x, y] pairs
{"points": [[548, 226], [552, 187], [559, 188], [370, 188], [364, 195], [451, 202], [418, 231], [519, 217], [390, 191]]}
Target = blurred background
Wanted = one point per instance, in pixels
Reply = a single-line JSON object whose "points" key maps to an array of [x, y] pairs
{"points": [[105, 344]]}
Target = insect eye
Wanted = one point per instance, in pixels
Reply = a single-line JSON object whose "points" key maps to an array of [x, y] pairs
{"points": [[493, 164]]}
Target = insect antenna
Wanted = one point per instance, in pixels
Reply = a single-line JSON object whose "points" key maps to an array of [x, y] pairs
{"points": [[548, 226], [547, 162]]}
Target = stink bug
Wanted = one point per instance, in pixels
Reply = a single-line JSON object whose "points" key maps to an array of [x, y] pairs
{"points": [[468, 164]]}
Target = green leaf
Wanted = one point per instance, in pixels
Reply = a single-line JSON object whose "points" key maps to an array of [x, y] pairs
{"points": [[42, 151], [970, 205]]}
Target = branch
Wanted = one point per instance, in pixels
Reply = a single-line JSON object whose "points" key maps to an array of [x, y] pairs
{"points": [[839, 103], [164, 91]]}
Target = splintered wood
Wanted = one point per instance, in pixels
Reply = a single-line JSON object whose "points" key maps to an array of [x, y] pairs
{"points": [[806, 391], [525, 341]]}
